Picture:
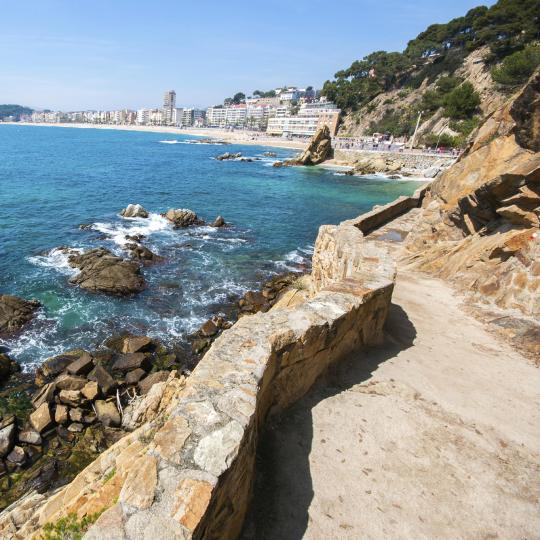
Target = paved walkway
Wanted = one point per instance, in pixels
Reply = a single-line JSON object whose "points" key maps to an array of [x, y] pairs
{"points": [[436, 434]]}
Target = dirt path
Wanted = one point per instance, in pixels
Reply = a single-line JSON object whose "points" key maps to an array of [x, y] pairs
{"points": [[434, 435]]}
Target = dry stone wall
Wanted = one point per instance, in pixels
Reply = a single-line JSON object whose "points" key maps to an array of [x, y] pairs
{"points": [[188, 471]]}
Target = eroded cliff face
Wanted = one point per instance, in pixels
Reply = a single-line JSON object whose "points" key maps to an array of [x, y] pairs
{"points": [[480, 219]]}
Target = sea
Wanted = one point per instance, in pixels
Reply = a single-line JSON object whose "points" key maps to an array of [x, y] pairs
{"points": [[54, 179]]}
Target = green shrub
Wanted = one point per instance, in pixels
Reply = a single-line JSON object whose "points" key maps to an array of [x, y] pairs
{"points": [[69, 527], [518, 67], [461, 102], [465, 127]]}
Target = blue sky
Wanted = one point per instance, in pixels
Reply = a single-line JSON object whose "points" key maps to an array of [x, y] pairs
{"points": [[105, 54]]}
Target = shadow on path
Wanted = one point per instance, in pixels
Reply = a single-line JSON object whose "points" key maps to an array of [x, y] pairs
{"points": [[283, 485]]}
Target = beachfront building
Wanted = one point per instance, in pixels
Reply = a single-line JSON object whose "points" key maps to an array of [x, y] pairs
{"points": [[215, 116], [169, 105], [143, 116]]}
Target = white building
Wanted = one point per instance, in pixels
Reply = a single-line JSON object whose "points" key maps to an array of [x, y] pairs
{"points": [[143, 116], [215, 116]]}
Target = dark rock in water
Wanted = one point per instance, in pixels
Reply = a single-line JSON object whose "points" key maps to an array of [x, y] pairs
{"points": [[153, 378], [131, 361], [270, 154], [278, 164], [15, 312], [142, 253], [228, 155], [82, 366], [208, 329], [86, 226], [219, 222], [7, 367], [134, 210], [104, 380], [183, 217], [55, 365], [7, 435], [101, 271]]}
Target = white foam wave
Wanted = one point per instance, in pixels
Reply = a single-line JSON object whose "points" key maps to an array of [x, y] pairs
{"points": [[57, 258], [137, 226], [173, 141]]}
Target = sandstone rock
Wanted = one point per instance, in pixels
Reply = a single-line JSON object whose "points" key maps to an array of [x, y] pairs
{"points": [[41, 419], [107, 413], [82, 366], [219, 222], [72, 398], [17, 456], [191, 501], [7, 435], [131, 361], [171, 437], [134, 210], [133, 377], [318, 150], [29, 436], [76, 414], [15, 312], [519, 216], [70, 382], [61, 414], [44, 395], [104, 380], [182, 217], [133, 344], [153, 378], [55, 365], [90, 390], [140, 485], [101, 271]]}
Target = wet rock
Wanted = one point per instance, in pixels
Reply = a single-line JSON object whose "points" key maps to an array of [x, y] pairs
{"points": [[278, 164], [131, 361], [104, 380], [183, 217], [101, 271], [7, 367], [209, 328], [41, 419], [133, 344], [228, 156], [17, 456], [82, 366], [269, 154], [107, 413], [135, 237], [15, 312], [133, 377], [86, 226], [70, 397], [90, 390], [153, 378], [219, 222], [29, 436], [7, 435], [134, 210], [143, 254], [61, 414], [55, 365], [70, 382]]}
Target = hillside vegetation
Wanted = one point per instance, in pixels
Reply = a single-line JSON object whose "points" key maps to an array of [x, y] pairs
{"points": [[13, 110], [453, 73]]}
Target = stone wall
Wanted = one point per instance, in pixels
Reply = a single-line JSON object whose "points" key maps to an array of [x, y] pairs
{"points": [[188, 472]]}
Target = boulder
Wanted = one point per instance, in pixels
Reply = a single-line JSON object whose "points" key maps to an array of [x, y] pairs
{"points": [[101, 271], [219, 222], [70, 397], [75, 427], [209, 328], [153, 378], [29, 436], [41, 418], [55, 365], [70, 382], [17, 456], [131, 361], [228, 156], [61, 414], [7, 435], [319, 149], [183, 217], [107, 413], [82, 366], [133, 377], [143, 254], [134, 210], [76, 414], [103, 379], [90, 390], [44, 395], [133, 344], [15, 312], [7, 367]]}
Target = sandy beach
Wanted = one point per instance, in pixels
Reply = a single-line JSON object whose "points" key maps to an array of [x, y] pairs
{"points": [[233, 137]]}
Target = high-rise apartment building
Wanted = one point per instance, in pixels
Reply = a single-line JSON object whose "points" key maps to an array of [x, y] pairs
{"points": [[169, 104]]}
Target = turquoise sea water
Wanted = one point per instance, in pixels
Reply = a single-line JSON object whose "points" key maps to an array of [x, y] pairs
{"points": [[53, 179]]}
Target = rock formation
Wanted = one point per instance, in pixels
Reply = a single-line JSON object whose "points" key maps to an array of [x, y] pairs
{"points": [[15, 312], [183, 217], [101, 271], [318, 150], [134, 210]]}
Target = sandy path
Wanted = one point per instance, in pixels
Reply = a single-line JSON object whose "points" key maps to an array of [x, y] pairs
{"points": [[434, 435]]}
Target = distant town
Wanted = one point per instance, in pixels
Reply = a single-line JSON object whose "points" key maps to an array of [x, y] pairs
{"points": [[288, 112]]}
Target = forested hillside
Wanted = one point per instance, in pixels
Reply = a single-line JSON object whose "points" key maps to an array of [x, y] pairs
{"points": [[453, 73], [13, 110]]}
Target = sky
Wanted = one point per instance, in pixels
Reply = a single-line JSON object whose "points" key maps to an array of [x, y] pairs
{"points": [[111, 54]]}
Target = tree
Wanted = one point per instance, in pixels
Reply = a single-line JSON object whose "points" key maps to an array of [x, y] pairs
{"points": [[461, 102], [518, 67], [238, 98]]}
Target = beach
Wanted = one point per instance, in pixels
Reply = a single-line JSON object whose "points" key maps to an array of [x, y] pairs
{"points": [[232, 137]]}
